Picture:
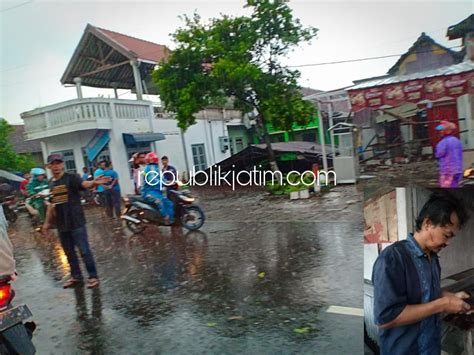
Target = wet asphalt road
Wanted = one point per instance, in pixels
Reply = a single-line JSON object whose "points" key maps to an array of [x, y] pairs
{"points": [[257, 279]]}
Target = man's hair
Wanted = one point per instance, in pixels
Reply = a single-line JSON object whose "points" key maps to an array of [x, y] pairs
{"points": [[438, 210], [164, 157], [141, 153]]}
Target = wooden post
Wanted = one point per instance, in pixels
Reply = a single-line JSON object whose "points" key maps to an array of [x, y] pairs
{"points": [[138, 79], [78, 82]]}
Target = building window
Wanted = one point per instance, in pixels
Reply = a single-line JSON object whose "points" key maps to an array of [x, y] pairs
{"points": [[69, 163], [199, 156], [239, 144], [309, 136]]}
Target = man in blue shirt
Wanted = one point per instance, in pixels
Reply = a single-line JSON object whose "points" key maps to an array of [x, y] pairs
{"points": [[85, 174], [112, 192], [408, 298], [100, 171]]}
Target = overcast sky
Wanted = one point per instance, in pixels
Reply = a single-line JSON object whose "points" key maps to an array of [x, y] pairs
{"points": [[37, 38]]}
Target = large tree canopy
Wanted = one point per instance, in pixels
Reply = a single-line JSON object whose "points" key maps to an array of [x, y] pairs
{"points": [[238, 58]]}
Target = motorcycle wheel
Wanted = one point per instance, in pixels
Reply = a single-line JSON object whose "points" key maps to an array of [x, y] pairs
{"points": [[134, 227], [193, 217]]}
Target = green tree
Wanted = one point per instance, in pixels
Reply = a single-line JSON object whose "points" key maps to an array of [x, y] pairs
{"points": [[238, 58], [9, 160]]}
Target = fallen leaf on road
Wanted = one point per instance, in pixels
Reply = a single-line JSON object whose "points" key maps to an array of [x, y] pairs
{"points": [[302, 330], [235, 318], [261, 275], [211, 324]]}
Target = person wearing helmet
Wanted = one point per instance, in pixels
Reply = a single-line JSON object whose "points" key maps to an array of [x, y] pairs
{"points": [[37, 184], [153, 186], [449, 155]]}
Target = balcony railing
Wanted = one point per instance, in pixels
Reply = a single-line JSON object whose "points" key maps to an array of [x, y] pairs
{"points": [[77, 114]]}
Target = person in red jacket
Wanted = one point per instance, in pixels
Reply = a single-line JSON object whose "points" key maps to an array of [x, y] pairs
{"points": [[24, 183]]}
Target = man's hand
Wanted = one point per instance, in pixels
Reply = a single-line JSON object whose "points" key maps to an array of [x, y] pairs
{"points": [[455, 304], [101, 179]]}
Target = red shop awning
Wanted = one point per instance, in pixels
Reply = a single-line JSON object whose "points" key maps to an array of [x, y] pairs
{"points": [[432, 85]]}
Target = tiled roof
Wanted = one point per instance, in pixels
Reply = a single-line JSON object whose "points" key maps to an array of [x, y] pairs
{"points": [[143, 49], [20, 145]]}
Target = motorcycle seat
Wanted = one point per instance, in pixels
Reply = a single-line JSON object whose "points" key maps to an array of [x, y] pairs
{"points": [[143, 200]]}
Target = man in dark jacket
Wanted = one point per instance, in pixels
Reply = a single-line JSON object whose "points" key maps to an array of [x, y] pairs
{"points": [[408, 298]]}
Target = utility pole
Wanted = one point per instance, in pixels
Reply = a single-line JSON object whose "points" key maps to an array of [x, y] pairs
{"points": [[321, 137]]}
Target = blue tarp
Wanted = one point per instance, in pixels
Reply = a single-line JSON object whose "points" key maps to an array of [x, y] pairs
{"points": [[97, 143], [134, 138]]}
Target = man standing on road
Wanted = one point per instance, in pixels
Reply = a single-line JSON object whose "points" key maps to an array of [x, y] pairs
{"points": [[408, 298], [70, 220], [99, 172], [112, 192], [449, 155]]}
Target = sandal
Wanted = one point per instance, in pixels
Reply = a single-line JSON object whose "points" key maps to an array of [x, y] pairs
{"points": [[71, 282], [92, 283]]}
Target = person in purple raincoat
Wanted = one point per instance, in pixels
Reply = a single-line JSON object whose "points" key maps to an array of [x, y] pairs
{"points": [[449, 155]]}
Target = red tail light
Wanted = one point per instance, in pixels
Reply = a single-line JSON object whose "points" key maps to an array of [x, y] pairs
{"points": [[6, 295]]}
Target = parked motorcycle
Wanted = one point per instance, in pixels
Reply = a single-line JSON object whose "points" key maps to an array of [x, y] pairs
{"points": [[15, 336], [140, 212]]}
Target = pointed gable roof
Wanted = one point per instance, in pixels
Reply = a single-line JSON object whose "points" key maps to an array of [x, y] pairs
{"points": [[422, 41], [141, 49], [102, 59]]}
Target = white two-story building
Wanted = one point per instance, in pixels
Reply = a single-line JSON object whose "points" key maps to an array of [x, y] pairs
{"points": [[86, 130]]}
